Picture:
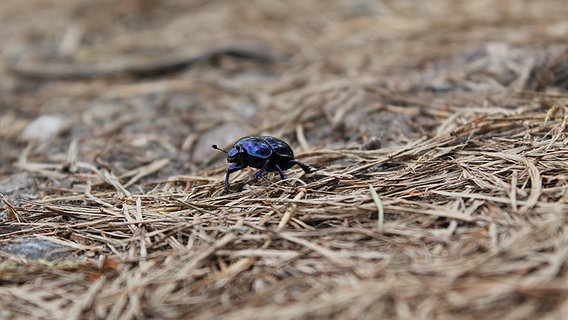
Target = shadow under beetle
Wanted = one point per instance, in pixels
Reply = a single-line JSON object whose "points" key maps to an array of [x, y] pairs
{"points": [[265, 153]]}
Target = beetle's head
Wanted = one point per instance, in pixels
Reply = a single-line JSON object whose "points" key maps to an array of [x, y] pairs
{"points": [[235, 155]]}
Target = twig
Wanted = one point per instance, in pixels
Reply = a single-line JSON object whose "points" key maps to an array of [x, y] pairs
{"points": [[143, 67], [379, 207]]}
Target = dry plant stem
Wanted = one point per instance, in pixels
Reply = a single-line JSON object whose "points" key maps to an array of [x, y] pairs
{"points": [[536, 189], [380, 209], [11, 213], [143, 67], [85, 304], [291, 209], [146, 170]]}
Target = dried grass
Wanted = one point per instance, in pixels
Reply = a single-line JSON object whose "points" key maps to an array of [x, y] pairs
{"points": [[474, 221], [461, 213]]}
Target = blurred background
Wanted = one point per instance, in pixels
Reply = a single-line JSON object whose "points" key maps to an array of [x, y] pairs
{"points": [[132, 81]]}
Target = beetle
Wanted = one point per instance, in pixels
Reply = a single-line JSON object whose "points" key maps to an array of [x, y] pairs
{"points": [[265, 153]]}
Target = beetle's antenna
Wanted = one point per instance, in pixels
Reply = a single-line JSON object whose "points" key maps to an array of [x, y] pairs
{"points": [[217, 148]]}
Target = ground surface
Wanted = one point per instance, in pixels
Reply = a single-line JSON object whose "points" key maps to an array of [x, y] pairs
{"points": [[453, 113]]}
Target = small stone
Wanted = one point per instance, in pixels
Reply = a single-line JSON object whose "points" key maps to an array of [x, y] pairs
{"points": [[43, 128], [35, 249]]}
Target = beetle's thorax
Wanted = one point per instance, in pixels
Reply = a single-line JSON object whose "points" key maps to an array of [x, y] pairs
{"points": [[237, 155]]}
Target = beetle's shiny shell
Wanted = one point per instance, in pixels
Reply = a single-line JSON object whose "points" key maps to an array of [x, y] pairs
{"points": [[279, 146], [254, 146]]}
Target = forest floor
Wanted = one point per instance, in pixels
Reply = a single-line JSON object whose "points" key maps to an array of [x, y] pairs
{"points": [[438, 131]]}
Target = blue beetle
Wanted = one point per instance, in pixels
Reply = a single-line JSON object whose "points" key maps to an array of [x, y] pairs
{"points": [[265, 153]]}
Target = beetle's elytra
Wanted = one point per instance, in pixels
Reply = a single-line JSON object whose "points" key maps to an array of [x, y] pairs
{"points": [[265, 153]]}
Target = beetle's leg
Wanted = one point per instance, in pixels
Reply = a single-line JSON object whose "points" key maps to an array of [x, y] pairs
{"points": [[259, 172], [282, 175], [305, 167], [232, 168]]}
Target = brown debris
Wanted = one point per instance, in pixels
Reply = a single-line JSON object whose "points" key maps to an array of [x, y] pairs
{"points": [[420, 102], [552, 73]]}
